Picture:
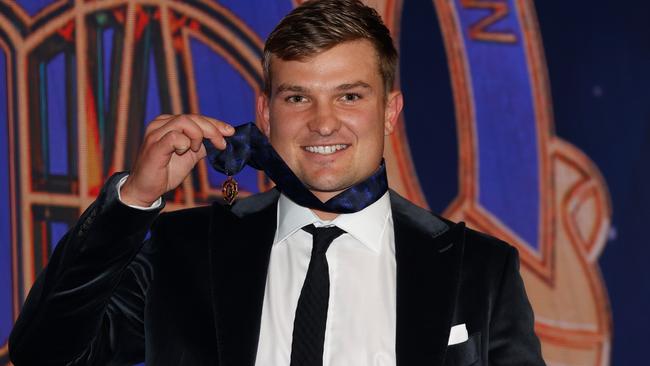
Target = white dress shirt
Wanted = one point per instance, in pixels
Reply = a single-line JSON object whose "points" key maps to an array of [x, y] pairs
{"points": [[360, 328]]}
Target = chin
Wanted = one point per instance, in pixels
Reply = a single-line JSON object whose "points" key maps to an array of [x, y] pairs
{"points": [[328, 185]]}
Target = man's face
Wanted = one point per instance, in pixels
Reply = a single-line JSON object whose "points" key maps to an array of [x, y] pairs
{"points": [[327, 116]]}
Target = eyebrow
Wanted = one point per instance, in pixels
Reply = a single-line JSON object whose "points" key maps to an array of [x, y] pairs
{"points": [[291, 88], [300, 89], [358, 84]]}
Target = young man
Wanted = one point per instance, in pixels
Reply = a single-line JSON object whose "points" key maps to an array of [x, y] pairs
{"points": [[271, 281]]}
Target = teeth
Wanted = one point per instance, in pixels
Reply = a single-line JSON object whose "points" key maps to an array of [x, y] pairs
{"points": [[325, 150]]}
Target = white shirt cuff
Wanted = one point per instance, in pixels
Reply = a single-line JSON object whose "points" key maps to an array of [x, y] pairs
{"points": [[153, 206]]}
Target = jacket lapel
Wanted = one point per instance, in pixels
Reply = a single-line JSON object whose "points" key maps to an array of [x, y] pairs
{"points": [[428, 254], [240, 243]]}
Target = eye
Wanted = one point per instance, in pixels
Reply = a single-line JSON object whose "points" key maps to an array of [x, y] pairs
{"points": [[295, 99], [350, 97]]}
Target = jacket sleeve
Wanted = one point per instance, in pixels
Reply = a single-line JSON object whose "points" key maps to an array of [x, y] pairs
{"points": [[512, 334], [87, 306]]}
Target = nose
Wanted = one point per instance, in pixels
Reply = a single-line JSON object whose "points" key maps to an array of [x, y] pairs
{"points": [[325, 121]]}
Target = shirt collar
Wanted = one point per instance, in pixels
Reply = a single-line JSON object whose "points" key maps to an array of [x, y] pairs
{"points": [[367, 225]]}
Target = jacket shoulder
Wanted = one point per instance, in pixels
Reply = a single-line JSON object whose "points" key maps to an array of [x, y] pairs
{"points": [[475, 241], [486, 244], [488, 255]]}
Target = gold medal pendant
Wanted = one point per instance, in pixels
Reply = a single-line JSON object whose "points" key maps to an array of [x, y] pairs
{"points": [[229, 189]]}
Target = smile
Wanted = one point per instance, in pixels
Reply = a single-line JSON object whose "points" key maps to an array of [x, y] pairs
{"points": [[325, 149]]}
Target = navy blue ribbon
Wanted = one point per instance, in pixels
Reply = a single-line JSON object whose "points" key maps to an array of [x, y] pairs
{"points": [[250, 146]]}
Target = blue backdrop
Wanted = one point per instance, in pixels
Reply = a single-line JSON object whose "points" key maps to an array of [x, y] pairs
{"points": [[597, 55]]}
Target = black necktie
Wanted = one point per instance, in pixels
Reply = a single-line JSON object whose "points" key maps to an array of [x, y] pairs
{"points": [[311, 312]]}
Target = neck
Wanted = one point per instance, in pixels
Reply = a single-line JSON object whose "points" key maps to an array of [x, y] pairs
{"points": [[324, 215], [324, 197]]}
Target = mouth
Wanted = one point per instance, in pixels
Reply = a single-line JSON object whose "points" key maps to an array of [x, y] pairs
{"points": [[325, 149]]}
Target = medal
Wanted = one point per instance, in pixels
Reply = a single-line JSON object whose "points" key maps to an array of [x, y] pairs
{"points": [[229, 189], [249, 146]]}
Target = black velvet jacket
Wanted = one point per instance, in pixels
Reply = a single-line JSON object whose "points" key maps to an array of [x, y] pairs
{"points": [[192, 293]]}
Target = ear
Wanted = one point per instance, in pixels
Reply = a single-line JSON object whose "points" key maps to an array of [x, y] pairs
{"points": [[263, 114], [394, 105]]}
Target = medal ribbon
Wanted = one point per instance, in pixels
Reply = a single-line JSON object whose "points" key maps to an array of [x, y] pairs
{"points": [[250, 146]]}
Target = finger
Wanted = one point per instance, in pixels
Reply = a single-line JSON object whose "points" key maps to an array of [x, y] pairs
{"points": [[226, 129], [210, 130], [164, 117], [202, 153], [173, 142], [184, 125], [213, 129], [158, 122], [213, 126]]}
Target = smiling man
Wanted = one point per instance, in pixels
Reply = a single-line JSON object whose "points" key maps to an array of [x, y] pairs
{"points": [[330, 268]]}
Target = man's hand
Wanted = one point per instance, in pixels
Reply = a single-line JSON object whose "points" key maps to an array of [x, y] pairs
{"points": [[172, 146]]}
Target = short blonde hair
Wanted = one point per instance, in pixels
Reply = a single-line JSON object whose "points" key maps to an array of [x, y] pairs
{"points": [[318, 25]]}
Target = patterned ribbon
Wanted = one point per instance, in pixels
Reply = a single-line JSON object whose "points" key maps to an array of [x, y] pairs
{"points": [[250, 146]]}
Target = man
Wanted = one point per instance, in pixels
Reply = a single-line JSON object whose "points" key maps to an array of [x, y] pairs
{"points": [[256, 284]]}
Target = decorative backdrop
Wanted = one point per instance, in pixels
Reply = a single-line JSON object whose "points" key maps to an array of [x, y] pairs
{"points": [[79, 79]]}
